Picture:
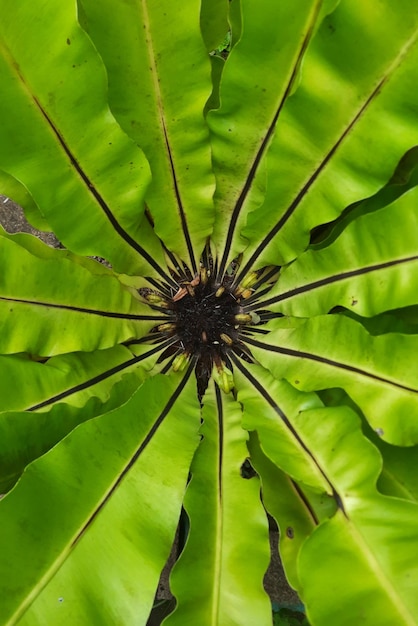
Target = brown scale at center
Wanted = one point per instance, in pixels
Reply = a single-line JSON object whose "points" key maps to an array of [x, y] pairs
{"points": [[205, 321]]}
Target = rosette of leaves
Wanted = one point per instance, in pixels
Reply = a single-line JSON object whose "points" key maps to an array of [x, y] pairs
{"points": [[258, 214]]}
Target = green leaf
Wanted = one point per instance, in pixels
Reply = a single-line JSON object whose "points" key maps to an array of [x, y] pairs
{"points": [[362, 562], [218, 64], [359, 586], [97, 174], [378, 373], [10, 187], [260, 72], [340, 136], [404, 178], [269, 408], [26, 435], [374, 256], [235, 19], [39, 248], [307, 128], [70, 308], [166, 120], [214, 22], [228, 542], [103, 476], [283, 501], [28, 384], [398, 477]]}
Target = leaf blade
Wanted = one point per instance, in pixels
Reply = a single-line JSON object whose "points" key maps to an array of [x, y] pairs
{"points": [[217, 500], [240, 135], [320, 158], [71, 308], [383, 386], [366, 546], [99, 175], [126, 443], [358, 269], [166, 61]]}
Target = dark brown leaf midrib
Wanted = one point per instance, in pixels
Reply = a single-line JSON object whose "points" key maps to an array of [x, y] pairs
{"points": [[179, 202], [290, 210], [220, 412], [99, 377], [157, 423], [101, 202], [268, 398], [259, 155], [293, 206], [77, 309], [336, 278], [88, 183], [300, 354]]}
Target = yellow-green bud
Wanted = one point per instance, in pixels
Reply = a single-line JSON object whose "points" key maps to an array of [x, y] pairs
{"points": [[167, 327], [227, 339], [223, 377], [249, 280], [243, 318], [154, 298], [180, 362]]}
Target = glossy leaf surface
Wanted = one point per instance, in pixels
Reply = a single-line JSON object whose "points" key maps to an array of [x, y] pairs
{"points": [[70, 309], [93, 483], [240, 134], [360, 364], [358, 269], [363, 537], [166, 118], [219, 502], [322, 156], [98, 173], [244, 338]]}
